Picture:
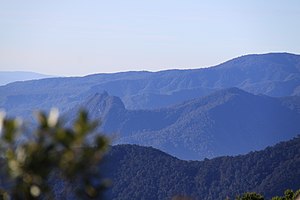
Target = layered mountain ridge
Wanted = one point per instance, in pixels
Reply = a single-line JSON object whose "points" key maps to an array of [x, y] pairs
{"points": [[274, 74], [188, 113], [242, 105], [227, 122]]}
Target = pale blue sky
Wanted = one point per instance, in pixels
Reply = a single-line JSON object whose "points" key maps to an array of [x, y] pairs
{"points": [[61, 37]]}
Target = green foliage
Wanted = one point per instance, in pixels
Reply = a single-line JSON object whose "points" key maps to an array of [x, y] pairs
{"points": [[250, 196], [51, 149], [147, 173], [289, 195], [179, 197]]}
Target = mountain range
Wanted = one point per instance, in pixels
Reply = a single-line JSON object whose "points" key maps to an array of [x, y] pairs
{"points": [[13, 76], [273, 74], [244, 104], [237, 107], [226, 122]]}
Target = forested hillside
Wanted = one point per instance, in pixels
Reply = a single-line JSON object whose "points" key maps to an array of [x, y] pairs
{"points": [[146, 173]]}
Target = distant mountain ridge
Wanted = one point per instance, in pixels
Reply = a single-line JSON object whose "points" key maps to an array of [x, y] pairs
{"points": [[274, 74], [13, 76], [201, 127]]}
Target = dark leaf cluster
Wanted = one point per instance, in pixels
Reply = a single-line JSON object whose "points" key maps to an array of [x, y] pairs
{"points": [[31, 167]]}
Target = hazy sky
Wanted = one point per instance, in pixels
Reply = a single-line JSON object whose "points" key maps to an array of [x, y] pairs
{"points": [[84, 37]]}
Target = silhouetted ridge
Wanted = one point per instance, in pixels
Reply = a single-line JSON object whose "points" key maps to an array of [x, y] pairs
{"points": [[142, 150]]}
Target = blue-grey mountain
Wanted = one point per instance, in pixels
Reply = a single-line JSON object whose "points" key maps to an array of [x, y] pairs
{"points": [[274, 74], [10, 76], [227, 122]]}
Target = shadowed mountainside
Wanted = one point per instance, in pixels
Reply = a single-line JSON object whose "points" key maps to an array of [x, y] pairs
{"points": [[227, 122]]}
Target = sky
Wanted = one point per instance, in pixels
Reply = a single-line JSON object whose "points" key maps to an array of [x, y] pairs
{"points": [[75, 38]]}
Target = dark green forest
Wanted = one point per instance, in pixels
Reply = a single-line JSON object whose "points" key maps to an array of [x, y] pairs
{"points": [[146, 173]]}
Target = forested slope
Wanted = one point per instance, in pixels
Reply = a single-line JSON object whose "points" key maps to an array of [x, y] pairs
{"points": [[146, 173]]}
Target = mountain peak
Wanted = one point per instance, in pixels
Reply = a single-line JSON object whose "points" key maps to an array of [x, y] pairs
{"points": [[103, 102], [283, 61]]}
